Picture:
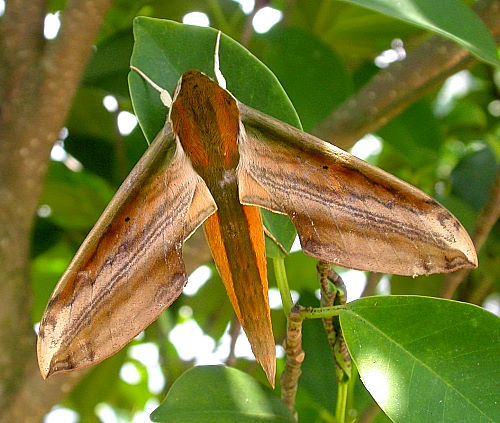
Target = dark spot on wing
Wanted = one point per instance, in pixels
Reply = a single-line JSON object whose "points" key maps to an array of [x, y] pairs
{"points": [[127, 219]]}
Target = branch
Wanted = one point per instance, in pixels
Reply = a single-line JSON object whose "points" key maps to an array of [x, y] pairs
{"points": [[395, 88], [234, 331], [294, 359], [371, 284]]}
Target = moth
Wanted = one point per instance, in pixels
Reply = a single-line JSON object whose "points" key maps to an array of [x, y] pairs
{"points": [[216, 162]]}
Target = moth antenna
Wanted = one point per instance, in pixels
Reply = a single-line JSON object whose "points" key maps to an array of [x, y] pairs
{"points": [[218, 74], [165, 97]]}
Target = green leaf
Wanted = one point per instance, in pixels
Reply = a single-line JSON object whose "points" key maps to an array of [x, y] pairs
{"points": [[220, 395], [45, 235], [355, 33], [109, 65], [467, 115], [423, 285], [318, 370], [89, 118], [301, 272], [471, 185], [450, 18], [46, 269], [461, 209], [93, 133], [164, 50], [75, 198], [312, 74], [282, 229], [417, 141], [426, 359]]}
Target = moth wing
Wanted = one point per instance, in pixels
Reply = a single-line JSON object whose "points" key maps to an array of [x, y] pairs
{"points": [[130, 267], [346, 211]]}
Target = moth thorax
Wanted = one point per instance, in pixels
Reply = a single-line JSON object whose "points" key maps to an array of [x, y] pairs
{"points": [[228, 177]]}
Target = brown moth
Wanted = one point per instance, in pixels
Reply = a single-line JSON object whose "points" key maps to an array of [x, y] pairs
{"points": [[216, 161]]}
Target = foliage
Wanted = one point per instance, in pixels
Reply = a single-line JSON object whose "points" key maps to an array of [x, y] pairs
{"points": [[322, 53]]}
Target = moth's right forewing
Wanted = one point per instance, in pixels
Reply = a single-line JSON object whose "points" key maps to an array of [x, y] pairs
{"points": [[346, 211], [130, 267]]}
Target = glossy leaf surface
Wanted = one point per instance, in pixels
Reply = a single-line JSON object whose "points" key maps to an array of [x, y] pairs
{"points": [[216, 394], [426, 359], [450, 18]]}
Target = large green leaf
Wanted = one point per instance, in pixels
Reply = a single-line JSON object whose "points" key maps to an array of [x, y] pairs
{"points": [[164, 50], [318, 369], [311, 72], [426, 359], [216, 394], [355, 33], [226, 15], [450, 18]]}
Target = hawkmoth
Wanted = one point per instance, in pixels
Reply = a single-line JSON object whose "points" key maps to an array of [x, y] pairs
{"points": [[214, 163]]}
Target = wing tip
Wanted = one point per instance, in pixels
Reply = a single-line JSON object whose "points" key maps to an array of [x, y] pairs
{"points": [[45, 364], [471, 257], [268, 364], [50, 360]]}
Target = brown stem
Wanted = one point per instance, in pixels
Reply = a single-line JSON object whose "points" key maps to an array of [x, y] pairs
{"points": [[294, 358], [485, 221], [370, 414], [328, 296], [234, 331], [371, 284], [393, 89]]}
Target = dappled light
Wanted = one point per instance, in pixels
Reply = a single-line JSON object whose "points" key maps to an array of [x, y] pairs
{"points": [[196, 18], [52, 25], [265, 19], [126, 122], [396, 53], [110, 103], [197, 279]]}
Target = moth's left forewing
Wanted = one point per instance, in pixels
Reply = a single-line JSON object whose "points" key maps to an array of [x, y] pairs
{"points": [[130, 267], [346, 211]]}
